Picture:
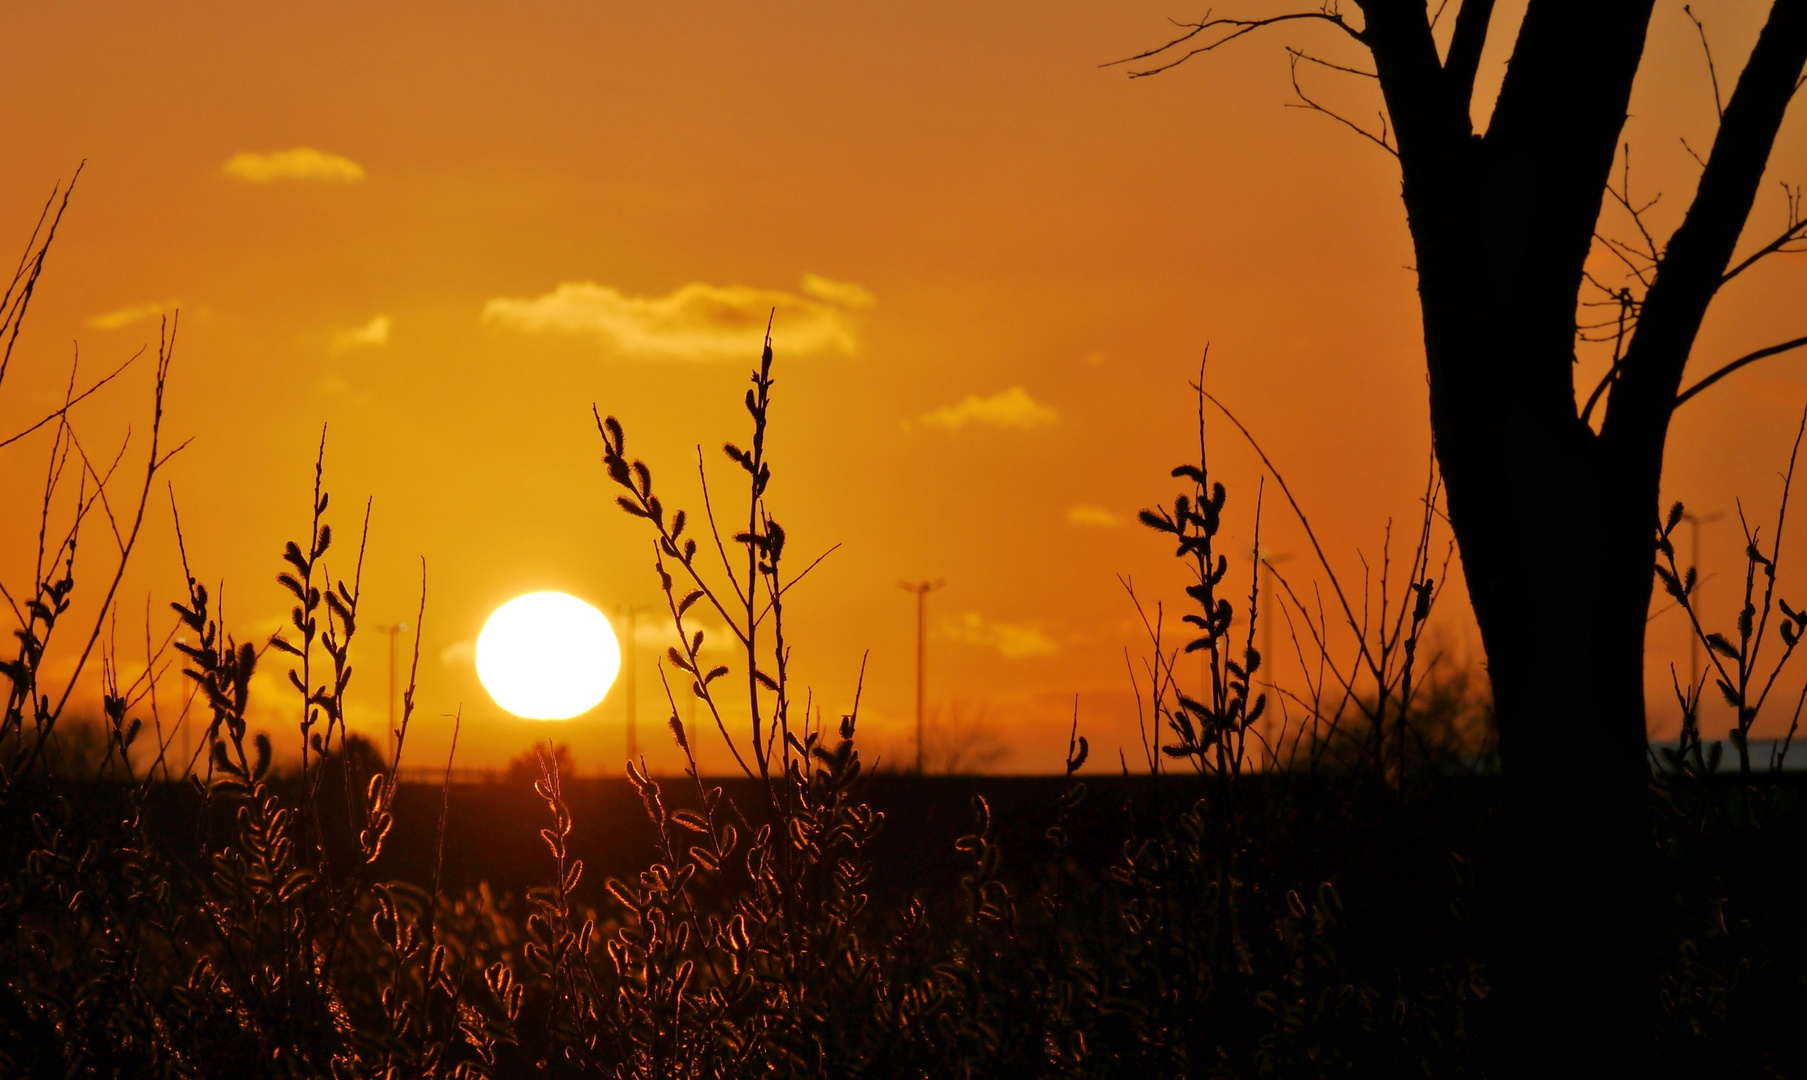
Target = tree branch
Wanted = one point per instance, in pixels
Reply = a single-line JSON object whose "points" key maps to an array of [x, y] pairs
{"points": [[1305, 102], [1694, 263], [1712, 72], [1742, 361], [1411, 78], [1465, 45], [1797, 227], [1225, 31]]}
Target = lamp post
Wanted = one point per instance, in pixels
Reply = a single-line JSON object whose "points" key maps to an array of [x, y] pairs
{"points": [[631, 616], [630, 662], [922, 589], [392, 629], [1694, 524], [1265, 561]]}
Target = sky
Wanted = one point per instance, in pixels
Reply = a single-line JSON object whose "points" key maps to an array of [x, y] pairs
{"points": [[442, 233]]}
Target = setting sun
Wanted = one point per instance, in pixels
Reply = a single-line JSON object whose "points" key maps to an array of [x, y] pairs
{"points": [[547, 656]]}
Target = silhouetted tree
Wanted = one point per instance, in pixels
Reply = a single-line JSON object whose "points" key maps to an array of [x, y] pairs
{"points": [[1556, 518]]}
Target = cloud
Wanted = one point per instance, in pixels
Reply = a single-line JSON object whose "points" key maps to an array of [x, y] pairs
{"points": [[1012, 408], [301, 163], [844, 293], [374, 332], [1013, 640], [1093, 515], [696, 321], [459, 654], [126, 316], [654, 630]]}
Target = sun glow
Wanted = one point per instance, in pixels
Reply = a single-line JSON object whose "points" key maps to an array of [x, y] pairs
{"points": [[547, 656]]}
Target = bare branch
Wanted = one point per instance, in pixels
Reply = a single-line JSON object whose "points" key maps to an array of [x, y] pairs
{"points": [[1698, 160], [1748, 358], [1699, 251], [1627, 308], [63, 410], [1381, 140], [1797, 228], [1303, 55], [1219, 32], [1712, 73]]}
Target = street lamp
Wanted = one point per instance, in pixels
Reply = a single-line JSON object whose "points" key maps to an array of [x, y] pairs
{"points": [[392, 630], [1265, 561], [630, 615], [1694, 524], [922, 589]]}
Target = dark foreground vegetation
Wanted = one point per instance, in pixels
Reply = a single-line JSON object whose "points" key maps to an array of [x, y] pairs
{"points": [[1298, 883], [924, 927]]}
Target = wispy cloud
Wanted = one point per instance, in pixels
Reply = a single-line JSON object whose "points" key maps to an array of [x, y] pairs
{"points": [[1013, 640], [696, 321], [126, 316], [374, 332], [1096, 516], [301, 163], [1012, 408], [844, 293]]}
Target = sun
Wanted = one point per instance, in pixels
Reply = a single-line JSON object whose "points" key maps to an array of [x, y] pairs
{"points": [[547, 656]]}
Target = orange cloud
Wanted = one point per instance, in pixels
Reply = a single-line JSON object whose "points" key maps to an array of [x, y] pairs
{"points": [[374, 332], [1096, 516], [1013, 640], [126, 316], [695, 321], [301, 163], [1012, 408], [843, 293]]}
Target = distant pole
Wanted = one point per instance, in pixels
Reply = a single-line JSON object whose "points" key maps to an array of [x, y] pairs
{"points": [[631, 616], [1264, 579], [1267, 617], [1694, 524], [392, 630], [1264, 569], [922, 589]]}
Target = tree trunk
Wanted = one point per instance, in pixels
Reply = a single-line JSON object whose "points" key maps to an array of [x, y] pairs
{"points": [[1564, 638], [1501, 227], [1556, 523]]}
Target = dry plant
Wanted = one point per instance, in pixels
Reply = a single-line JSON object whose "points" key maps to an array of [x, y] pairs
{"points": [[1358, 710], [1740, 671]]}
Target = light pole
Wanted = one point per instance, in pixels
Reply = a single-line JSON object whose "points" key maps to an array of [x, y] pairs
{"points": [[1265, 561], [922, 589], [1694, 524], [630, 615], [392, 630]]}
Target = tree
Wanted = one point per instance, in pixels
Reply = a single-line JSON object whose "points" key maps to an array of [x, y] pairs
{"points": [[1556, 518]]}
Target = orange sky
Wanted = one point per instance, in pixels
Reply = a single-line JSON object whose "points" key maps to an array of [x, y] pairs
{"points": [[982, 214]]}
